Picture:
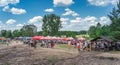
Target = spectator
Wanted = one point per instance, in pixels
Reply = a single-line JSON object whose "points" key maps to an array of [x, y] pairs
{"points": [[52, 44], [78, 46], [35, 43]]}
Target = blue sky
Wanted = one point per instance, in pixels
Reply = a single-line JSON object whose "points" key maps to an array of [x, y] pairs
{"points": [[76, 14]]}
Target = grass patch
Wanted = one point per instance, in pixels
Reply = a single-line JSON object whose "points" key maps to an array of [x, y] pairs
{"points": [[64, 47]]}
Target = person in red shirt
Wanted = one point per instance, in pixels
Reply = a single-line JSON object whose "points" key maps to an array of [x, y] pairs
{"points": [[52, 44]]}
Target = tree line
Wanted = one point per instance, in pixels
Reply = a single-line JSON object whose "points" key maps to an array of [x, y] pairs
{"points": [[28, 32]]}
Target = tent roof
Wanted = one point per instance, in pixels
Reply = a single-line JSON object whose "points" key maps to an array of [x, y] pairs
{"points": [[102, 37]]}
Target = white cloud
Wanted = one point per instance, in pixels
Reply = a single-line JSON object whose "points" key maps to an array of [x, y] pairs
{"points": [[13, 10], [19, 25], [39, 26], [35, 19], [90, 19], [78, 19], [10, 21], [64, 20], [70, 12], [6, 9], [62, 2], [6, 2], [11, 27], [104, 20], [18, 11], [79, 23], [50, 10], [102, 2]]}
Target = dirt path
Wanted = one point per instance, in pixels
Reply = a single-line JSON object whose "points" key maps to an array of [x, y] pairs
{"points": [[20, 54]]}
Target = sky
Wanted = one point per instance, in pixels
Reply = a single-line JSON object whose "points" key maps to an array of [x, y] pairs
{"points": [[75, 15]]}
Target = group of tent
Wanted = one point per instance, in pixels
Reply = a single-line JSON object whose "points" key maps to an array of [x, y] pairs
{"points": [[55, 38], [2, 39]]}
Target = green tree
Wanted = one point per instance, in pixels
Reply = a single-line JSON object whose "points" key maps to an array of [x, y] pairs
{"points": [[3, 33], [92, 32], [16, 33], [82, 32], [105, 30], [39, 33], [51, 24], [9, 34], [29, 30], [98, 30], [70, 34], [115, 25]]}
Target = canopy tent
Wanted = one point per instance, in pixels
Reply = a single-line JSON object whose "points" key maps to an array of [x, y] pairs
{"points": [[67, 39], [103, 38], [37, 37], [81, 39], [48, 38], [2, 38], [51, 38], [20, 37]]}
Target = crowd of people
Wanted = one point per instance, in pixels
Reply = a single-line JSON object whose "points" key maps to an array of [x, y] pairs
{"points": [[31, 43], [105, 46], [47, 44], [43, 43], [81, 45]]}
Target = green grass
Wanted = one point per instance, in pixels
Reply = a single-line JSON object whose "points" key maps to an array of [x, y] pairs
{"points": [[84, 36], [64, 47]]}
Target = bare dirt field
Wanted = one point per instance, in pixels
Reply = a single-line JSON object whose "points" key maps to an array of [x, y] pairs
{"points": [[20, 54]]}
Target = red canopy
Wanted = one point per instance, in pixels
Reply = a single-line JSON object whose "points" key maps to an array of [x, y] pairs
{"points": [[37, 37]]}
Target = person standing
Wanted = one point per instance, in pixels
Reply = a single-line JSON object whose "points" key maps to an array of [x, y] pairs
{"points": [[52, 44], [78, 46], [7, 42], [69, 44], [88, 47], [35, 43]]}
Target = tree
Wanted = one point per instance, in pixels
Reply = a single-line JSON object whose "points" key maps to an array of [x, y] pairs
{"points": [[3, 33], [105, 30], [39, 33], [70, 34], [92, 32], [9, 34], [115, 25], [98, 30], [29, 30], [16, 33], [51, 24], [82, 32]]}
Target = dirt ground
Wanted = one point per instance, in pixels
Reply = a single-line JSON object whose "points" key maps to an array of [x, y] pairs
{"points": [[21, 54]]}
